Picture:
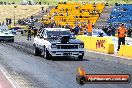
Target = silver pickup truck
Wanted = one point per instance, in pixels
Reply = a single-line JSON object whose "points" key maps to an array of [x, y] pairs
{"points": [[58, 42]]}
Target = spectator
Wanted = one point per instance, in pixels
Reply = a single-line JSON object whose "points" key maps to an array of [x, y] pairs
{"points": [[66, 9], [89, 28], [30, 3], [67, 26], [113, 31], [54, 25], [67, 14], [121, 35], [29, 35], [46, 10], [3, 23], [22, 32], [76, 30], [40, 3], [13, 3], [35, 32], [80, 16], [129, 32], [56, 7], [109, 31], [100, 34], [59, 26], [80, 11], [42, 8]]}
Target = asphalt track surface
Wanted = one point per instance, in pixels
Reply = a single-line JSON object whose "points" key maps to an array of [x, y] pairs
{"points": [[30, 71]]}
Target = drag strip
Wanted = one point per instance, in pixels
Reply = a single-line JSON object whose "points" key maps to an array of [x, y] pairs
{"points": [[36, 72], [23, 47]]}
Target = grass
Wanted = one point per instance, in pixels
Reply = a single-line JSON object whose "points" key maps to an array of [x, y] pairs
{"points": [[7, 11]]}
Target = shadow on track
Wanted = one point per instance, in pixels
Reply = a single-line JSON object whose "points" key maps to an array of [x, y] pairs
{"points": [[67, 59]]}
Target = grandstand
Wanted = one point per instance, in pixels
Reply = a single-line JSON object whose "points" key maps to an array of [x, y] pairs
{"points": [[74, 13], [121, 14]]}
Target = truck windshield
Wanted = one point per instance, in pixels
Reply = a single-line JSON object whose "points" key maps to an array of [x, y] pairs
{"points": [[51, 34]]}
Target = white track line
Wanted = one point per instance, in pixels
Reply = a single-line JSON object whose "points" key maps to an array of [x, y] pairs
{"points": [[9, 78], [114, 55]]}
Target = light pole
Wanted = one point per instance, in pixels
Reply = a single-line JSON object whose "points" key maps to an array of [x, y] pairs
{"points": [[15, 15]]}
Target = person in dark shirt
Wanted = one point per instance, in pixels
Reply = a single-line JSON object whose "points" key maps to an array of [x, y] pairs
{"points": [[35, 32], [76, 30], [113, 31], [129, 33], [67, 26], [29, 35]]}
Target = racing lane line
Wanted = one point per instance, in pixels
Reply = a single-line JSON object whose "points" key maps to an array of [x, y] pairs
{"points": [[122, 60], [114, 55], [9, 78]]}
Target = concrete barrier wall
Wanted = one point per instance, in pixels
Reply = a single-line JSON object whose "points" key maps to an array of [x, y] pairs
{"points": [[125, 50], [99, 44]]}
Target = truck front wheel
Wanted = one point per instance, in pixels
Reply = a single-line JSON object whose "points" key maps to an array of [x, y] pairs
{"points": [[46, 54], [80, 57], [37, 52]]}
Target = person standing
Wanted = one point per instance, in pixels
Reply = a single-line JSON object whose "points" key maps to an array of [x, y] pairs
{"points": [[42, 9], [109, 31], [121, 35], [29, 34], [89, 28], [35, 32], [67, 26], [113, 30], [76, 30], [129, 33]]}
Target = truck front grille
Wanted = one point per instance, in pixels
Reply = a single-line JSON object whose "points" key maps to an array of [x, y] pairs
{"points": [[67, 46]]}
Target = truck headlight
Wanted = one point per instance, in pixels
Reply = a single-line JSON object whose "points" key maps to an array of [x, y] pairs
{"points": [[81, 46], [53, 46]]}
